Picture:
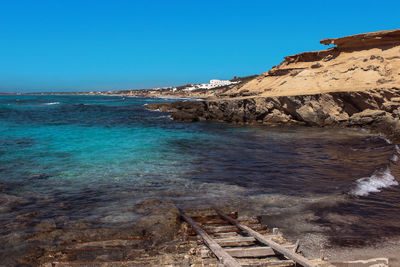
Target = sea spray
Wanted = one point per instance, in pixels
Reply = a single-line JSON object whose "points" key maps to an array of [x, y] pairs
{"points": [[378, 180]]}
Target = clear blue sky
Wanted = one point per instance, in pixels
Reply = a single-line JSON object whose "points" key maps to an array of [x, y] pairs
{"points": [[68, 45]]}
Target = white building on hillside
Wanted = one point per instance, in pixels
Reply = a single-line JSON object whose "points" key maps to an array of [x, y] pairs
{"points": [[217, 83], [212, 84]]}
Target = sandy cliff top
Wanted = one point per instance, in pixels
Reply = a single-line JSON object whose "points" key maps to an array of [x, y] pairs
{"points": [[358, 63]]}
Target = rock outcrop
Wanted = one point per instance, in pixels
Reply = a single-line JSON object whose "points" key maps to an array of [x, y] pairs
{"points": [[378, 110], [365, 40], [355, 84]]}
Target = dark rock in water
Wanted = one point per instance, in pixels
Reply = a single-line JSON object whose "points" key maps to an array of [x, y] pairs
{"points": [[45, 226], [40, 176], [8, 201], [377, 110], [160, 219], [28, 216], [185, 116]]}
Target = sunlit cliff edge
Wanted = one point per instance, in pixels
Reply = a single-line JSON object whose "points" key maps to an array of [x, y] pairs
{"points": [[354, 84], [357, 63]]}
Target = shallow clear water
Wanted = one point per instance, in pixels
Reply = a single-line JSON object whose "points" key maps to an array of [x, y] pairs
{"points": [[92, 157]]}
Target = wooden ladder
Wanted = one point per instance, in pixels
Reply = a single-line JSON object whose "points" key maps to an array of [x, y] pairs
{"points": [[248, 247]]}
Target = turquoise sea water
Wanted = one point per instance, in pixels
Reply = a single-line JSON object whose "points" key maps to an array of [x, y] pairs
{"points": [[92, 157]]}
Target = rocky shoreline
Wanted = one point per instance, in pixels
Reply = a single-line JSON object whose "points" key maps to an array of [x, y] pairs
{"points": [[377, 110]]}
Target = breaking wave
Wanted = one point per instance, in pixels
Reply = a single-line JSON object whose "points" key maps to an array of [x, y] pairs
{"points": [[380, 179]]}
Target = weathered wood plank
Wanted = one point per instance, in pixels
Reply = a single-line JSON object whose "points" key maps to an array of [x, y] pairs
{"points": [[221, 229], [224, 229], [280, 263], [245, 241], [253, 251], [228, 228], [217, 229], [277, 247], [250, 252], [296, 246], [235, 241], [221, 254], [226, 235], [217, 222]]}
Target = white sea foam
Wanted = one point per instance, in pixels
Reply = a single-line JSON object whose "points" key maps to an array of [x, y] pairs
{"points": [[180, 98], [51, 103], [395, 156], [163, 116], [380, 179], [387, 140]]}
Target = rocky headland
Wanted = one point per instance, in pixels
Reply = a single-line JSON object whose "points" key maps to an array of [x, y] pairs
{"points": [[354, 84]]}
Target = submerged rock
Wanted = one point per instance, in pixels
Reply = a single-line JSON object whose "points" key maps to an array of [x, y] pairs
{"points": [[156, 222], [160, 219], [45, 226], [40, 176], [8, 201]]}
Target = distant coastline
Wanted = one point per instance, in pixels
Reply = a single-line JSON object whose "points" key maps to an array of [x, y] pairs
{"points": [[205, 90]]}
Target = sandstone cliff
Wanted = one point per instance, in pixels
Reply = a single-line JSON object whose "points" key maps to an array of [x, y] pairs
{"points": [[356, 84], [358, 63]]}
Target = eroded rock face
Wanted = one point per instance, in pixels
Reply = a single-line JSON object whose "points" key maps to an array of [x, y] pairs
{"points": [[375, 109], [358, 63], [365, 40]]}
